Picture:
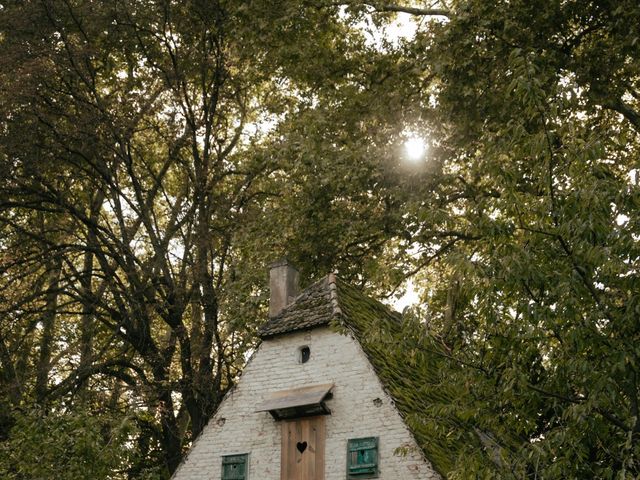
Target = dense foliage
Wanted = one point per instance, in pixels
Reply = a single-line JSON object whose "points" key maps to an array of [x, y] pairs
{"points": [[536, 295], [75, 445], [155, 156], [145, 187]]}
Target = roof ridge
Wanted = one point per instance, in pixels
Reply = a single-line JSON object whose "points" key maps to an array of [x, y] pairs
{"points": [[333, 294], [308, 287]]}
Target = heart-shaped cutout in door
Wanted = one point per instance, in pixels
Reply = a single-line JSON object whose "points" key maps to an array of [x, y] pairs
{"points": [[301, 446]]}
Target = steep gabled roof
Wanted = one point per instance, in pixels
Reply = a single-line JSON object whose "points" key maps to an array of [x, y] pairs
{"points": [[407, 370]]}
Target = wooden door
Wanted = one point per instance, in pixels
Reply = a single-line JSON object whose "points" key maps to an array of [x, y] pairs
{"points": [[302, 455]]}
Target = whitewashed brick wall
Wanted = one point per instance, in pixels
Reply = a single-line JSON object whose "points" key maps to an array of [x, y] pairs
{"points": [[356, 412]]}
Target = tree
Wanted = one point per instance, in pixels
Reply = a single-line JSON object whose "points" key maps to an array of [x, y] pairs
{"points": [[67, 446], [528, 245], [156, 155], [139, 176]]}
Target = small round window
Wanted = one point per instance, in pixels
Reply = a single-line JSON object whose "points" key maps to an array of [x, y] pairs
{"points": [[304, 353]]}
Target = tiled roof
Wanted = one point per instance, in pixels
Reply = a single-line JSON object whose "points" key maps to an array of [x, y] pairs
{"points": [[315, 306]]}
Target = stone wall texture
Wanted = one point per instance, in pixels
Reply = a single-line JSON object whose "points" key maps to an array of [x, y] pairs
{"points": [[359, 408]]}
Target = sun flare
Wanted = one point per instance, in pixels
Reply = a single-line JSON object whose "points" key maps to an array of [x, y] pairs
{"points": [[415, 147]]}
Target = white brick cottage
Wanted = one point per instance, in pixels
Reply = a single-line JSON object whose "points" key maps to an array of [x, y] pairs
{"points": [[309, 404]]}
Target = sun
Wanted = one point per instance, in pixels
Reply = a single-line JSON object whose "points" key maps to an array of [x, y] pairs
{"points": [[415, 147]]}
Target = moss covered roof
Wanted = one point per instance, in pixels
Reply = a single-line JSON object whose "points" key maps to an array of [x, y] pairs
{"points": [[407, 370]]}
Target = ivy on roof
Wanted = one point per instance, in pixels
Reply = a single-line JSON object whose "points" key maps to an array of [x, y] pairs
{"points": [[417, 373]]}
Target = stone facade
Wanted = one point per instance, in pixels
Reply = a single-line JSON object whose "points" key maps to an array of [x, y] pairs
{"points": [[359, 408]]}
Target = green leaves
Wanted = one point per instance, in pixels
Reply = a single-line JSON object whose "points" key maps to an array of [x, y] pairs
{"points": [[68, 446], [165, 153], [536, 298]]}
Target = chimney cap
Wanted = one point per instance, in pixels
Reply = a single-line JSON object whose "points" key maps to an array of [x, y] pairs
{"points": [[282, 262]]}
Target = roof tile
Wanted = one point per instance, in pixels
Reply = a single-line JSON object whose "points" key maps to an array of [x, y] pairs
{"points": [[315, 306]]}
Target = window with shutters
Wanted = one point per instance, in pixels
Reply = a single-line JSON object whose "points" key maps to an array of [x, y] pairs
{"points": [[235, 467], [362, 458]]}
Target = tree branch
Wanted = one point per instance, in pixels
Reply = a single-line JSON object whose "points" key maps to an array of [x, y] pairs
{"points": [[626, 111], [433, 12]]}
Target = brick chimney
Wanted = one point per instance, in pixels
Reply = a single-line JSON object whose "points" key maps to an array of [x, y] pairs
{"points": [[283, 283]]}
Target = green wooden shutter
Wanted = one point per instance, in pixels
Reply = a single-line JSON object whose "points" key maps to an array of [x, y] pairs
{"points": [[235, 467], [362, 457]]}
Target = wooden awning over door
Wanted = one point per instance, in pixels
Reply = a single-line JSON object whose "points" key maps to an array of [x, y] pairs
{"points": [[297, 402]]}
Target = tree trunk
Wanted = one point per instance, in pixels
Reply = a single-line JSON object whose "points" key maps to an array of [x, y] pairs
{"points": [[88, 308], [48, 322]]}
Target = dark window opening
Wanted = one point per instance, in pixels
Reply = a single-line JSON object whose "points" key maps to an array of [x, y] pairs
{"points": [[305, 354]]}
